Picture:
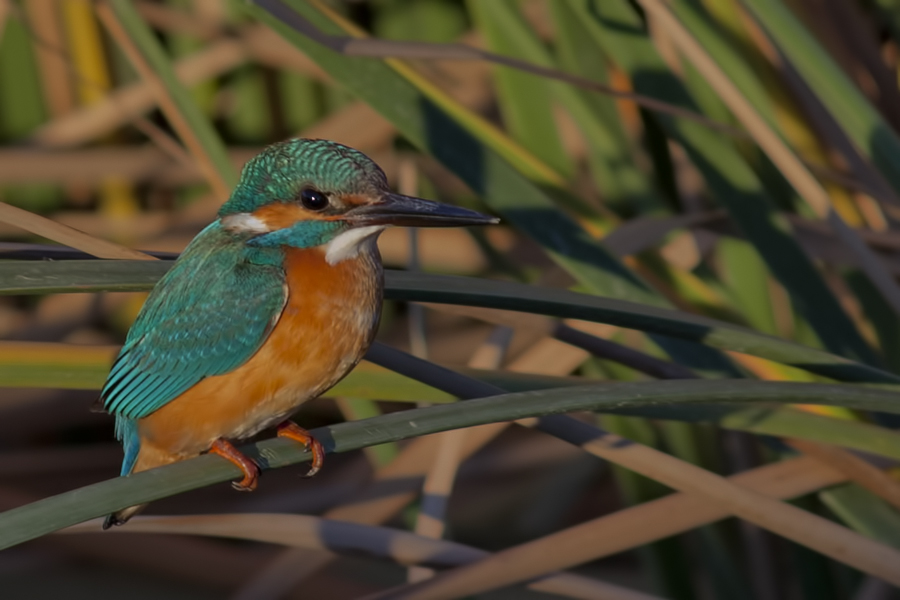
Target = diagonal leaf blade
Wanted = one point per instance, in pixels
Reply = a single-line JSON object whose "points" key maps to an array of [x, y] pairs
{"points": [[18, 277], [51, 514]]}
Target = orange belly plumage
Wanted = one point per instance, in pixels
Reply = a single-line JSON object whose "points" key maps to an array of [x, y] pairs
{"points": [[325, 327]]}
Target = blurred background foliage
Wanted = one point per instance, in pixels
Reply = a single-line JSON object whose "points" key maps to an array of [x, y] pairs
{"points": [[731, 159]]}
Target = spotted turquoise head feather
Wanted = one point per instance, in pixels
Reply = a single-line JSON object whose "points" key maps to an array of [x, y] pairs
{"points": [[282, 170]]}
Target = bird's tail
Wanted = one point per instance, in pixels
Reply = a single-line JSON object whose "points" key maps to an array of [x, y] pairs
{"points": [[120, 517], [138, 457]]}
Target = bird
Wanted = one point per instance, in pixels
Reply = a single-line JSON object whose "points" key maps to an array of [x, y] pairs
{"points": [[267, 307]]}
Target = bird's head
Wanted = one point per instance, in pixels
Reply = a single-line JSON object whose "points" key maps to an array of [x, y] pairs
{"points": [[309, 193]]}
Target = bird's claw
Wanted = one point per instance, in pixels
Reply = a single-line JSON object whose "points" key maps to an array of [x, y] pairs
{"points": [[292, 431], [244, 485], [247, 466]]}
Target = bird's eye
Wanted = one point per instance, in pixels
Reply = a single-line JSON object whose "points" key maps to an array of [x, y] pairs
{"points": [[313, 199]]}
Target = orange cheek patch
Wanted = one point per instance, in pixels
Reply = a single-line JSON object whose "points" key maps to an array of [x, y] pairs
{"points": [[281, 215]]}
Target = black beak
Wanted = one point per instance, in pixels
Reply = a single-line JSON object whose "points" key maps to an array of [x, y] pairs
{"points": [[406, 211]]}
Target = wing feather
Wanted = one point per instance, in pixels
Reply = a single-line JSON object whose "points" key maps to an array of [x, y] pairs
{"points": [[207, 316]]}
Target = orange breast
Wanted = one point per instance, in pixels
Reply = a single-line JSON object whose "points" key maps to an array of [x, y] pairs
{"points": [[327, 324]]}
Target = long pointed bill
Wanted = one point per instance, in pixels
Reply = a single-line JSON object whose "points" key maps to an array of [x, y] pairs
{"points": [[406, 211]]}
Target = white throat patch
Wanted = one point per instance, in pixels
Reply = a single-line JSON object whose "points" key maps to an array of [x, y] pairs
{"points": [[348, 244], [244, 223]]}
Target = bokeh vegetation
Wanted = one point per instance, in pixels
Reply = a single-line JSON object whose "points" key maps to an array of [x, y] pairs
{"points": [[697, 266]]}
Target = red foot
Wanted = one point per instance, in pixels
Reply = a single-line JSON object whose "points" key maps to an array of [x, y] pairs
{"points": [[292, 431], [249, 468]]}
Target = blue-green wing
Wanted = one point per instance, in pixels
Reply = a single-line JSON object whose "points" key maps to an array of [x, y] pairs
{"points": [[207, 316]]}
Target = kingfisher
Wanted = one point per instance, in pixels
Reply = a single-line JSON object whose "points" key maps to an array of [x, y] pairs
{"points": [[267, 308]]}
